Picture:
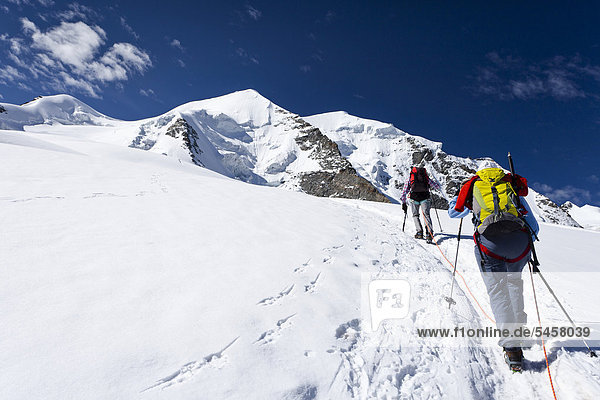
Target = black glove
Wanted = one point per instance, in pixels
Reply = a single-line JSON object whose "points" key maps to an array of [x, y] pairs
{"points": [[404, 207]]}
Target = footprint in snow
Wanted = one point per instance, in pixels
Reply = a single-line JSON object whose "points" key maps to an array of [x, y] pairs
{"points": [[186, 372], [99, 194], [272, 334], [274, 299], [310, 288], [302, 268], [37, 198]]}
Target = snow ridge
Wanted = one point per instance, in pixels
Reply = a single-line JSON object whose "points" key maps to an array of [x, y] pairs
{"points": [[245, 136]]}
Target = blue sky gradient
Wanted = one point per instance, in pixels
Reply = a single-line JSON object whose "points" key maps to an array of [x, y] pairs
{"points": [[483, 79]]}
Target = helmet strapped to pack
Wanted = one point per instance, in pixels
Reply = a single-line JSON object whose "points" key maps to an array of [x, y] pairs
{"points": [[494, 202]]}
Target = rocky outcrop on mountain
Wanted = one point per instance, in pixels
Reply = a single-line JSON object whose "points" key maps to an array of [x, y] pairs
{"points": [[384, 155], [553, 213], [181, 129], [337, 177], [245, 136], [345, 183], [321, 148], [587, 216], [450, 171], [2, 110]]}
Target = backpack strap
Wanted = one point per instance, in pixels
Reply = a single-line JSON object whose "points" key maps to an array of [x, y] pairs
{"points": [[465, 196], [518, 183]]}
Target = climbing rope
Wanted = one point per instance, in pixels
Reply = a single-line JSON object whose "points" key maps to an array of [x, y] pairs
{"points": [[459, 274], [542, 330], [484, 313]]}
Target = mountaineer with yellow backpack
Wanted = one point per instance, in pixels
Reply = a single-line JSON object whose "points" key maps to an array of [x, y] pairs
{"points": [[503, 224]]}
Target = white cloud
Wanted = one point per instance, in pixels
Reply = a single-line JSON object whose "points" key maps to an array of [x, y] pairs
{"points": [[181, 63], [80, 85], [77, 11], [129, 29], [177, 44], [71, 56], [305, 68], [253, 12], [570, 193], [510, 77], [243, 54], [73, 44], [45, 3], [10, 74], [119, 61], [317, 57], [147, 93]]}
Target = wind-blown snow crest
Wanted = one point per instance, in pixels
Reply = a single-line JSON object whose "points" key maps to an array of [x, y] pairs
{"points": [[61, 108]]}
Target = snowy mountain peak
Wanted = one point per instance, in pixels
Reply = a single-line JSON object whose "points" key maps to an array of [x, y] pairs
{"points": [[344, 123], [61, 108], [587, 216], [244, 135], [246, 107]]}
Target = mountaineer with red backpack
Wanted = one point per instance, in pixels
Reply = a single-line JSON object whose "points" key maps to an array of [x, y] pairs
{"points": [[504, 225], [417, 186]]}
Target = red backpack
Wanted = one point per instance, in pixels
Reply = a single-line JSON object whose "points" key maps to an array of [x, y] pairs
{"points": [[419, 180]]}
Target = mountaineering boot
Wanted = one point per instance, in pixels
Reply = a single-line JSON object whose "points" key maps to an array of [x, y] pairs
{"points": [[419, 235], [514, 358], [429, 238]]}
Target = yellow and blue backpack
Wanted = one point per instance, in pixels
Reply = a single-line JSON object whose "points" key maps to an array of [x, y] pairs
{"points": [[494, 203]]}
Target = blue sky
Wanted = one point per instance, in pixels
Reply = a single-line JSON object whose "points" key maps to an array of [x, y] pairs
{"points": [[483, 79]]}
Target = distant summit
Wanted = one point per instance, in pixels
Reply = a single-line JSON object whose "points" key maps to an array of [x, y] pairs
{"points": [[61, 108], [244, 135]]}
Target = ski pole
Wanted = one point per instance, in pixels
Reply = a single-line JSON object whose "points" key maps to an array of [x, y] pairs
{"points": [[438, 218], [449, 299], [592, 352]]}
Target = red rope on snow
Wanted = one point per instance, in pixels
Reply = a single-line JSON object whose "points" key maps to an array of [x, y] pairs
{"points": [[542, 335], [453, 267], [484, 313]]}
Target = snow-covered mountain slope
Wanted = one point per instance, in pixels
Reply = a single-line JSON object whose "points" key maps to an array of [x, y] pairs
{"points": [[62, 109], [384, 155], [587, 216], [548, 211], [246, 136], [241, 135], [129, 275]]}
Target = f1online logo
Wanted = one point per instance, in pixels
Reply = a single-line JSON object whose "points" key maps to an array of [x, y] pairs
{"points": [[388, 299]]}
